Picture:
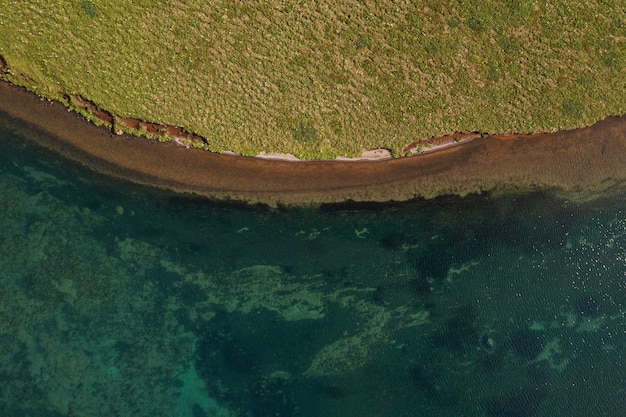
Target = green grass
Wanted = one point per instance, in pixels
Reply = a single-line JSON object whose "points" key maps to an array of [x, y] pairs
{"points": [[326, 79]]}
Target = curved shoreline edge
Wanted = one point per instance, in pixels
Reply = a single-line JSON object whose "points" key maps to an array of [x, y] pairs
{"points": [[577, 164]]}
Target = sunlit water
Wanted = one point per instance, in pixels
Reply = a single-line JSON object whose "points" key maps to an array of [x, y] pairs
{"points": [[117, 300]]}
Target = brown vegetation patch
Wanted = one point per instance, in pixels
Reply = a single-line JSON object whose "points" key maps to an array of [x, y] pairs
{"points": [[90, 108], [167, 132], [118, 125]]}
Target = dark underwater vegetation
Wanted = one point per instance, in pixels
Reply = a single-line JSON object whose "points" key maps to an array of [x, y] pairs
{"points": [[120, 300]]}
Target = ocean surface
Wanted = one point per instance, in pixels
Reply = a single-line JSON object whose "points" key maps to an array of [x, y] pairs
{"points": [[120, 300]]}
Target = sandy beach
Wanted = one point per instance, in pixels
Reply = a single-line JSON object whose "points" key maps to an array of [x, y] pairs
{"points": [[578, 164]]}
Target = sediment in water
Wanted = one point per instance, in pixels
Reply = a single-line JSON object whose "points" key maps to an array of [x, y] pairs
{"points": [[579, 163]]}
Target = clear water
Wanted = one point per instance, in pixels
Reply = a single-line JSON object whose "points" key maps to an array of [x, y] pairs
{"points": [[118, 300]]}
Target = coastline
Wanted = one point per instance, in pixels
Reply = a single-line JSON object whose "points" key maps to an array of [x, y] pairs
{"points": [[578, 163]]}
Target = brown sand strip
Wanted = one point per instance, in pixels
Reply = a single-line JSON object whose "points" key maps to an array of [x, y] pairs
{"points": [[579, 163]]}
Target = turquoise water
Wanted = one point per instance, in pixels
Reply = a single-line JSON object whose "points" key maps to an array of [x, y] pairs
{"points": [[118, 300]]}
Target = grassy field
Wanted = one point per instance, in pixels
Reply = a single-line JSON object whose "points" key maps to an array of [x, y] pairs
{"points": [[321, 79]]}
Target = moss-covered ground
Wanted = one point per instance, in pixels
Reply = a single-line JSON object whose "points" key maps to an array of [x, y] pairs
{"points": [[321, 79]]}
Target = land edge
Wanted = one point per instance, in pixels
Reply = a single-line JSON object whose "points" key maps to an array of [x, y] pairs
{"points": [[181, 136], [578, 164]]}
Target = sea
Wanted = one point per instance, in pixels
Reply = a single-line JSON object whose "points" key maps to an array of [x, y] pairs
{"points": [[120, 300]]}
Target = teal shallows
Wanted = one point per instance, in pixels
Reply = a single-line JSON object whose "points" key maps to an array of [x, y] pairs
{"points": [[120, 300]]}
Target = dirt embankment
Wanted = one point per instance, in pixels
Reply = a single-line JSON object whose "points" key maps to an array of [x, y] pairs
{"points": [[136, 127], [179, 135], [578, 163]]}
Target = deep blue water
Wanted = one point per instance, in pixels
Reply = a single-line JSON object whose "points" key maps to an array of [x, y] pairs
{"points": [[119, 300]]}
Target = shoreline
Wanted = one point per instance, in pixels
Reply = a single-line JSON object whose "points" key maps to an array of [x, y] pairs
{"points": [[577, 163]]}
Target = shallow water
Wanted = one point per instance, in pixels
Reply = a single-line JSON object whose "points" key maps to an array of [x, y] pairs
{"points": [[118, 300]]}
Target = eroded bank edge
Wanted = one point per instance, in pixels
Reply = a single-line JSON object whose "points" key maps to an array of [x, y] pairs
{"points": [[477, 168], [181, 136]]}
